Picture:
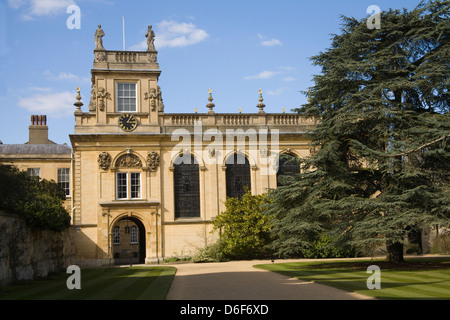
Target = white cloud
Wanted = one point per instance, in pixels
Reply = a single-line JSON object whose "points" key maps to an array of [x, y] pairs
{"points": [[266, 74], [56, 104], [174, 34], [263, 75], [65, 76], [276, 92], [35, 8], [16, 4], [286, 68], [269, 43], [289, 79]]}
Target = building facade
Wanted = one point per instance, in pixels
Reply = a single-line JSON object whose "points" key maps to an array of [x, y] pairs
{"points": [[147, 184], [40, 156], [143, 184]]}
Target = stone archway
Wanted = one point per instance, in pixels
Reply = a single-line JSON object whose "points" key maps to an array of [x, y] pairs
{"points": [[128, 241]]}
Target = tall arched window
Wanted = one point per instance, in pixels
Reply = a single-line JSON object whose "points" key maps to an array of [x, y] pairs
{"points": [[187, 187], [237, 175], [288, 166]]}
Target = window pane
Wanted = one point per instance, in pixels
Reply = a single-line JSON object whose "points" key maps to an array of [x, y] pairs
{"points": [[187, 188], [116, 235], [237, 175], [34, 172], [126, 97], [133, 234], [135, 185], [121, 185], [64, 180]]}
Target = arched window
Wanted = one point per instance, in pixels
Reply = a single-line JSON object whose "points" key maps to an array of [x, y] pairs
{"points": [[187, 187], [237, 175], [288, 166]]}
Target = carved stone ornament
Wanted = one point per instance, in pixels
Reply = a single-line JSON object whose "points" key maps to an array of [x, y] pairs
{"points": [[152, 57], [102, 94], [153, 160], [100, 56], [154, 96], [264, 153], [151, 96], [93, 103], [104, 160], [128, 161]]}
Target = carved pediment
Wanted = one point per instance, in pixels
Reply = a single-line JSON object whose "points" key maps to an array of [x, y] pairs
{"points": [[128, 161]]}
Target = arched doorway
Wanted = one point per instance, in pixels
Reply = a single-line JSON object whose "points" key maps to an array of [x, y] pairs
{"points": [[128, 241]]}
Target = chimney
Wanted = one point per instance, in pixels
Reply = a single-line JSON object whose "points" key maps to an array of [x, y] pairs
{"points": [[38, 130]]}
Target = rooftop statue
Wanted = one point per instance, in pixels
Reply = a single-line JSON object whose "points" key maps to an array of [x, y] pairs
{"points": [[150, 35], [98, 38]]}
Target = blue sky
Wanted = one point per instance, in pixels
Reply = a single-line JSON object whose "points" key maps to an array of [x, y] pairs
{"points": [[233, 47]]}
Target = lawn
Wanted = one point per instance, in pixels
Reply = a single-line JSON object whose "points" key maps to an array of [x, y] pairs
{"points": [[427, 278], [126, 283]]}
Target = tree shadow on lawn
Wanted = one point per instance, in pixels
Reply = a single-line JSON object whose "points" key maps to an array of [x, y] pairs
{"points": [[353, 276], [149, 283], [409, 265]]}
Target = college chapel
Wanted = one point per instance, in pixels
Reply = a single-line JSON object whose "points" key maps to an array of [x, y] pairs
{"points": [[144, 184]]}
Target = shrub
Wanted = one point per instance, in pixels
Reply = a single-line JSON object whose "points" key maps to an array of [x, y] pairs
{"points": [[211, 253], [244, 229], [40, 202]]}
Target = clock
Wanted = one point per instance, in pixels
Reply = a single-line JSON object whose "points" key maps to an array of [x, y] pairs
{"points": [[127, 122]]}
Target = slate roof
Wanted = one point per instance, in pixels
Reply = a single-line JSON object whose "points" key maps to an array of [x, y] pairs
{"points": [[34, 149]]}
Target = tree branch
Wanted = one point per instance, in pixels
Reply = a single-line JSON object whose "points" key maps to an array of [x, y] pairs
{"points": [[417, 149]]}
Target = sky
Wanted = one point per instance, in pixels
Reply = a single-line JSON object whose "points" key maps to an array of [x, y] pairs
{"points": [[233, 47]]}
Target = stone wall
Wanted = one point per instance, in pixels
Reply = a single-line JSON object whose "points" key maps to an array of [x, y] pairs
{"points": [[28, 253]]}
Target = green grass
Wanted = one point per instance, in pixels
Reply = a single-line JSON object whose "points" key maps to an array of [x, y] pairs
{"points": [[132, 283], [427, 278]]}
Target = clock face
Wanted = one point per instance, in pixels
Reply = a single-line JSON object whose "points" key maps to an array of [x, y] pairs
{"points": [[127, 122]]}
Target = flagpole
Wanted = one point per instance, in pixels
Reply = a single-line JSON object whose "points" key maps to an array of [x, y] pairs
{"points": [[123, 23]]}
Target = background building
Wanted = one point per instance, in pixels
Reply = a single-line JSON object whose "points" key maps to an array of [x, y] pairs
{"points": [[40, 156]]}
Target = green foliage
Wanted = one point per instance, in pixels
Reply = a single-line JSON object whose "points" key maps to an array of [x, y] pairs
{"points": [[40, 202], [211, 253], [325, 248], [383, 160], [244, 229]]}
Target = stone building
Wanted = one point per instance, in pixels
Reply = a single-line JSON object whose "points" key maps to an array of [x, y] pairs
{"points": [[145, 184], [40, 156], [165, 174]]}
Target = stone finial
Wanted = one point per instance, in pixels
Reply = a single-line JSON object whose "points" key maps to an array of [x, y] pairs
{"points": [[210, 105], [99, 34], [260, 105], [78, 104], [309, 95]]}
